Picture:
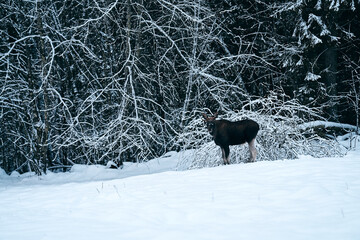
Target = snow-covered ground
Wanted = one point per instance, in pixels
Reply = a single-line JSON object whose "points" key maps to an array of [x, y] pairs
{"points": [[307, 198]]}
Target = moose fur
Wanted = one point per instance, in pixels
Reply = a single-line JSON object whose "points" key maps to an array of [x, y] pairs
{"points": [[226, 133]]}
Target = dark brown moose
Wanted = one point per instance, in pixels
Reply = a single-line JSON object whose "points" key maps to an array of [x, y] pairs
{"points": [[226, 133]]}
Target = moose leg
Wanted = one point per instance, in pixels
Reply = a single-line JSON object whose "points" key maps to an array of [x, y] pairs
{"points": [[252, 150], [226, 155], [223, 154]]}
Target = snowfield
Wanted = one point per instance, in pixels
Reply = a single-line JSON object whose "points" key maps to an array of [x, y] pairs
{"points": [[307, 198]]}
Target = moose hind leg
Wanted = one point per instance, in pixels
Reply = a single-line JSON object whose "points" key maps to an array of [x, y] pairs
{"points": [[252, 150], [226, 155], [222, 154]]}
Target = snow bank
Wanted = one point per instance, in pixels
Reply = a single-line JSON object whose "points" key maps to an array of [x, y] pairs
{"points": [[86, 173], [2, 173], [307, 198]]}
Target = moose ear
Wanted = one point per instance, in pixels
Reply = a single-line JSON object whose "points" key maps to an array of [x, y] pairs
{"points": [[216, 114], [205, 116]]}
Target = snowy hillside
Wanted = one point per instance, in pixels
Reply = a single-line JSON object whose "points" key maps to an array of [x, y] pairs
{"points": [[307, 198]]}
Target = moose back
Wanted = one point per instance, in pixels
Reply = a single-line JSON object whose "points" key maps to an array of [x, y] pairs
{"points": [[226, 133]]}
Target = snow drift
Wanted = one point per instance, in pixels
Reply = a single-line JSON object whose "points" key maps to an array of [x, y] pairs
{"points": [[307, 198]]}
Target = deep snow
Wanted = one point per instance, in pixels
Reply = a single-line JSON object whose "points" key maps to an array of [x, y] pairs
{"points": [[306, 198]]}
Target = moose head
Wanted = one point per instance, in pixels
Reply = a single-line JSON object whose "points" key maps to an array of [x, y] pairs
{"points": [[210, 122]]}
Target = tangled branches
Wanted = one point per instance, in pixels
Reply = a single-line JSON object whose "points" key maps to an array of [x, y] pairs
{"points": [[280, 135]]}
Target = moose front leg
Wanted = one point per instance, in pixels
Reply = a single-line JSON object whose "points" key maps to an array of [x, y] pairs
{"points": [[222, 154], [226, 154]]}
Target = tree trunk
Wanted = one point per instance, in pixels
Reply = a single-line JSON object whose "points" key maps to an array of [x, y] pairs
{"points": [[44, 78], [331, 78]]}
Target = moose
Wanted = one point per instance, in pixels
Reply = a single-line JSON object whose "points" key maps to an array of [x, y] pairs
{"points": [[226, 133]]}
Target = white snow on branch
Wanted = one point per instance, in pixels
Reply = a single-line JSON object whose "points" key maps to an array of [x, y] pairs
{"points": [[327, 124], [312, 77]]}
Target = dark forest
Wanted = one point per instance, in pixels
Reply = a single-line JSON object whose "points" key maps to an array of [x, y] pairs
{"points": [[86, 82]]}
